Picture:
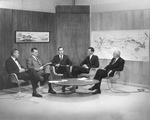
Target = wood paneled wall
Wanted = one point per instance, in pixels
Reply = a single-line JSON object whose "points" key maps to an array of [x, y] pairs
{"points": [[5, 43], [136, 73], [73, 31], [12, 20]]}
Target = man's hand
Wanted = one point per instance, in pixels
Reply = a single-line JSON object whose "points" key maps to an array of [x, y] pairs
{"points": [[85, 66], [103, 68], [109, 72], [41, 68], [22, 70], [57, 65], [67, 65]]}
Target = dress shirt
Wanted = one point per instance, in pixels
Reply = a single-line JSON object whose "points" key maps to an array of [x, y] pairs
{"points": [[35, 57], [91, 56], [17, 63], [115, 59], [61, 57]]}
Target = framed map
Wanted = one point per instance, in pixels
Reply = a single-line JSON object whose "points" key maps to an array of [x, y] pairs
{"points": [[133, 44]]}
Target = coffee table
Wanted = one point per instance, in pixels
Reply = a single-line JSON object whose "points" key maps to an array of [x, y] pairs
{"points": [[74, 82]]}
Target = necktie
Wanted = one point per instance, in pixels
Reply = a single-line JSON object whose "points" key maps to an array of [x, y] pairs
{"points": [[38, 60], [114, 61], [61, 57]]}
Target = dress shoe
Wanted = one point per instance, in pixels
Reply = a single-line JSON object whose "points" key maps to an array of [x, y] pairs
{"points": [[76, 87], [92, 88], [96, 92], [36, 95], [51, 91]]}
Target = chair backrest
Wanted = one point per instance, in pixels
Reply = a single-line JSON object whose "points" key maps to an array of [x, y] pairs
{"points": [[114, 77], [14, 78], [54, 72]]}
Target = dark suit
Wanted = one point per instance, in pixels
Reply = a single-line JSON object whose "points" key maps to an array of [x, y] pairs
{"points": [[91, 63], [30, 74], [102, 73], [63, 69]]}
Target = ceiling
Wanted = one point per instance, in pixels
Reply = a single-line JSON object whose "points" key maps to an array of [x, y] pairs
{"points": [[95, 5], [114, 5]]}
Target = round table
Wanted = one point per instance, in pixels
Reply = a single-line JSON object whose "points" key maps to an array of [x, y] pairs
{"points": [[75, 82]]}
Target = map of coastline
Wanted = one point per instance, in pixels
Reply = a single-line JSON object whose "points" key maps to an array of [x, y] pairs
{"points": [[133, 44]]}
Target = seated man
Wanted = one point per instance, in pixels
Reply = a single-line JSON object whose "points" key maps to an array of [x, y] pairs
{"points": [[91, 61], [116, 64], [13, 66], [62, 64], [34, 61]]}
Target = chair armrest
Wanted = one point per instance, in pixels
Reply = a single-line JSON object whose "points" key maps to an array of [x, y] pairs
{"points": [[14, 78], [115, 73], [54, 72], [91, 73]]}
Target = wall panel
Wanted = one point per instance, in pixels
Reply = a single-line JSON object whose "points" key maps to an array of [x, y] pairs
{"points": [[134, 72], [5, 44], [73, 31]]}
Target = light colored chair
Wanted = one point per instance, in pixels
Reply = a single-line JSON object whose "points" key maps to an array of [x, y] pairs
{"points": [[112, 79], [14, 79], [57, 76]]}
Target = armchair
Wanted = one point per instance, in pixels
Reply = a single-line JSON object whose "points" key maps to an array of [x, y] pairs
{"points": [[14, 79], [112, 79]]}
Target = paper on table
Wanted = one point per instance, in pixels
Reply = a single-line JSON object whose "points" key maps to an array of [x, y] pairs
{"points": [[83, 78], [53, 81], [63, 80]]}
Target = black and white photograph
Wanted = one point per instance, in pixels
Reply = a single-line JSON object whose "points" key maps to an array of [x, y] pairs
{"points": [[74, 59]]}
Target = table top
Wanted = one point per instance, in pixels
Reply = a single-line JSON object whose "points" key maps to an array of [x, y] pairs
{"points": [[75, 81]]}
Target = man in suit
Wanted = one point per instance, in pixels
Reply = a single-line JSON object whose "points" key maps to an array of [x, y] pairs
{"points": [[116, 64], [13, 66], [62, 64], [91, 61], [34, 61]]}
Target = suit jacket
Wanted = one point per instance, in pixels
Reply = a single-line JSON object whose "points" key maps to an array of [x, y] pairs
{"points": [[11, 66], [117, 66], [33, 63], [64, 61], [93, 63]]}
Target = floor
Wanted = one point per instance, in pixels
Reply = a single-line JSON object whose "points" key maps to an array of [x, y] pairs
{"points": [[124, 103]]}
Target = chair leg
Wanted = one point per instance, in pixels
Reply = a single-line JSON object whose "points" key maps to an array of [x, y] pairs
{"points": [[19, 89]]}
